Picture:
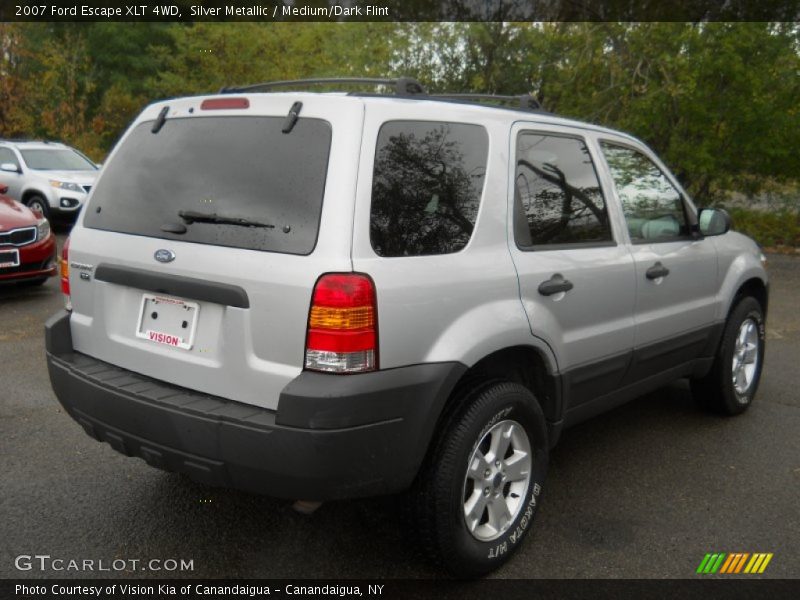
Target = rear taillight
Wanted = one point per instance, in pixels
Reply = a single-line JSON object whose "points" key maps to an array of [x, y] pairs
{"points": [[64, 270], [342, 325]]}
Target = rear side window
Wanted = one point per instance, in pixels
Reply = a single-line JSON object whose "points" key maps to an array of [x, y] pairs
{"points": [[265, 186], [426, 187], [558, 196]]}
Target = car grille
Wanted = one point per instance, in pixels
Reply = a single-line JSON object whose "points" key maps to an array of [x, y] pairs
{"points": [[18, 237], [88, 188]]}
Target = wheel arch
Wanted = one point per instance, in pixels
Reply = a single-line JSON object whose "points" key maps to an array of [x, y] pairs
{"points": [[756, 288], [743, 276], [527, 365], [28, 193]]}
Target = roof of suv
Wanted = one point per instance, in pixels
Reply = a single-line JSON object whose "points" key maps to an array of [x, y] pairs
{"points": [[511, 114], [480, 110], [32, 143], [409, 89]]}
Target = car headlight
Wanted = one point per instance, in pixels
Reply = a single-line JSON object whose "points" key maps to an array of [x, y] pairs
{"points": [[42, 229], [66, 185]]}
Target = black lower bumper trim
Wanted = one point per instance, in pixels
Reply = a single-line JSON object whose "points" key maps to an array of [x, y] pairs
{"points": [[226, 443]]}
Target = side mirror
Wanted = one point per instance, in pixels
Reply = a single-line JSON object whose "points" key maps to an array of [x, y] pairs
{"points": [[713, 221], [9, 167]]}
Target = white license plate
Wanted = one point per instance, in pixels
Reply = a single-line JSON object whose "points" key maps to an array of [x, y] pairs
{"points": [[9, 258], [167, 321]]}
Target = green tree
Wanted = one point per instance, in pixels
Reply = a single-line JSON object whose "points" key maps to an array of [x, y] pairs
{"points": [[12, 81], [719, 101], [204, 57]]}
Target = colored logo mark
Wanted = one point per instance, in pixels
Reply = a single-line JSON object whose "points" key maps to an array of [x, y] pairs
{"points": [[735, 563]]}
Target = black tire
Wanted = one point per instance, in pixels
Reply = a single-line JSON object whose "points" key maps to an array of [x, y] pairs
{"points": [[437, 500], [716, 391], [38, 202]]}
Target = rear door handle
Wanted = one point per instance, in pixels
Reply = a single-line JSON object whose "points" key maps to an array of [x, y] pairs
{"points": [[554, 285], [656, 271]]}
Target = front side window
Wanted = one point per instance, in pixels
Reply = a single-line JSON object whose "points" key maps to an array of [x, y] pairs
{"points": [[652, 206], [56, 159], [558, 196], [426, 187]]}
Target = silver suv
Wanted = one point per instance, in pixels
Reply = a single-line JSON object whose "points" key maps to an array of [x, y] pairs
{"points": [[51, 178], [322, 295]]}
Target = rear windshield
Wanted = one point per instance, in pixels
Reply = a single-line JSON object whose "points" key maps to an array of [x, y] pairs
{"points": [[263, 187]]}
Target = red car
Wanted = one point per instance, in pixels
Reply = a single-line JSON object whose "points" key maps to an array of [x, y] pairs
{"points": [[27, 247]]}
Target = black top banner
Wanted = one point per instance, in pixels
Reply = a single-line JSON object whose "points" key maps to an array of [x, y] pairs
{"points": [[399, 10]]}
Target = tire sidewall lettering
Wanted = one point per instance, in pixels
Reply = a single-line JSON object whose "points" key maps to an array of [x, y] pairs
{"points": [[501, 415], [527, 516]]}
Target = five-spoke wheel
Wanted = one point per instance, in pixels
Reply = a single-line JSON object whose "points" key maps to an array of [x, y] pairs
{"points": [[498, 476]]}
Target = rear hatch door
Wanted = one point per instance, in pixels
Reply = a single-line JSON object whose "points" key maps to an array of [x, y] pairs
{"points": [[195, 259]]}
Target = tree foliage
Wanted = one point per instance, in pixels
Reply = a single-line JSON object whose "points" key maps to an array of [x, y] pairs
{"points": [[718, 101]]}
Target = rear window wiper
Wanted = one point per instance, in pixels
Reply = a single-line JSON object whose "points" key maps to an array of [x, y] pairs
{"points": [[191, 216]]}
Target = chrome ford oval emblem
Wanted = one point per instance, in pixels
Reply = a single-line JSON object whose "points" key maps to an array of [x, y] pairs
{"points": [[164, 256]]}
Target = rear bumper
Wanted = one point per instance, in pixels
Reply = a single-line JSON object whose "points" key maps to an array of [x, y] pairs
{"points": [[331, 437]]}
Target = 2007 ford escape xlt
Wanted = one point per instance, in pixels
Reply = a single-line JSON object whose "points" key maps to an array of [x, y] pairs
{"points": [[331, 295]]}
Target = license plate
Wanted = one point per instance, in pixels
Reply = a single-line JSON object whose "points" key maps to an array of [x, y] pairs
{"points": [[9, 258], [167, 321]]}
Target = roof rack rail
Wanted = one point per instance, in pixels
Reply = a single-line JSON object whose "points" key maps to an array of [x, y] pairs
{"points": [[403, 86], [523, 101]]}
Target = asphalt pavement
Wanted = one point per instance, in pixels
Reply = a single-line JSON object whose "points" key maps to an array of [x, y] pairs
{"points": [[644, 491]]}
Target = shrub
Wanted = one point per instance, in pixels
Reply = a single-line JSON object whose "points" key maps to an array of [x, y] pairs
{"points": [[768, 228]]}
